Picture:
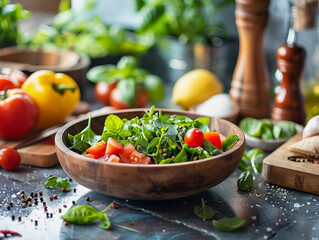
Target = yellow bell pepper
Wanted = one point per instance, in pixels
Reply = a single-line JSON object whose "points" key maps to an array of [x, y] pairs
{"points": [[56, 94]]}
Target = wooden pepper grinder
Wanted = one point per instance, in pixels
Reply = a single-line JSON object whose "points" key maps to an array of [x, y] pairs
{"points": [[250, 84], [289, 102]]}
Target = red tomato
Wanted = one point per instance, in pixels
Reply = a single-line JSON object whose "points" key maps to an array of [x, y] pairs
{"points": [[16, 77], [113, 158], [130, 155], [6, 82], [194, 138], [117, 102], [97, 149], [19, 114], [89, 155], [9, 159], [113, 147], [213, 138], [102, 92]]}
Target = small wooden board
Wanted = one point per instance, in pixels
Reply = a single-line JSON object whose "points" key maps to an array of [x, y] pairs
{"points": [[278, 170]]}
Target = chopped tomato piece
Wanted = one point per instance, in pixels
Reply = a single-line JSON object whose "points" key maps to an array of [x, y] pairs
{"points": [[130, 155], [113, 147], [98, 149], [222, 138], [214, 138], [113, 158], [89, 155]]}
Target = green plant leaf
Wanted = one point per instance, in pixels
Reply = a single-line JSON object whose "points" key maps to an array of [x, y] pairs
{"points": [[229, 224], [245, 181], [127, 89], [51, 181], [203, 211], [229, 142], [154, 86], [251, 126]]}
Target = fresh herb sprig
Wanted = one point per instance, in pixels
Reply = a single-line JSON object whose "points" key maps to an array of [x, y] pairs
{"points": [[53, 181]]}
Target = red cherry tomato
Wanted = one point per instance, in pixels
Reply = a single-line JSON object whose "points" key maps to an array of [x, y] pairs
{"points": [[117, 102], [9, 159], [19, 114], [214, 138], [102, 92], [194, 138]]}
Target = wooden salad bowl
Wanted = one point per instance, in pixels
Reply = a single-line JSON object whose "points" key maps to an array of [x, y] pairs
{"points": [[147, 182]]}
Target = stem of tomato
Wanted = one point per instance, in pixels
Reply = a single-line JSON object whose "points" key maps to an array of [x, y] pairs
{"points": [[61, 88], [4, 95]]}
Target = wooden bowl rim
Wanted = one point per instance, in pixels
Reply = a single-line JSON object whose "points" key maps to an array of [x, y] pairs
{"points": [[59, 143]]}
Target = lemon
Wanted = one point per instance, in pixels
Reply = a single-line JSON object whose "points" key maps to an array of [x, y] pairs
{"points": [[196, 87]]}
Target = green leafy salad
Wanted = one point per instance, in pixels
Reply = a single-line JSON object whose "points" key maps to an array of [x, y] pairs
{"points": [[159, 138]]}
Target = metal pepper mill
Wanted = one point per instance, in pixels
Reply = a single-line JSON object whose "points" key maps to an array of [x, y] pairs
{"points": [[289, 102], [250, 84]]}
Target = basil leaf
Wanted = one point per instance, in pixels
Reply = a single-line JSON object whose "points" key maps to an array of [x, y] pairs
{"points": [[63, 183], [203, 120], [229, 142], [81, 214], [105, 222], [245, 181], [253, 155], [228, 224], [50, 182], [127, 89], [203, 211], [113, 123]]}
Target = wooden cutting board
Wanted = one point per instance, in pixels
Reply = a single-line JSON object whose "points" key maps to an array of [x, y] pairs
{"points": [[278, 170]]}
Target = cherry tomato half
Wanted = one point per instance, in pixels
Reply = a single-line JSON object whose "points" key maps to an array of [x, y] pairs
{"points": [[194, 138], [117, 102], [9, 159], [102, 92]]}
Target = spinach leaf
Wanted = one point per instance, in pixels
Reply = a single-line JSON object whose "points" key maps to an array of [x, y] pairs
{"points": [[203, 211], [245, 181], [181, 157], [229, 142], [228, 224], [284, 129], [84, 214], [211, 149], [251, 126]]}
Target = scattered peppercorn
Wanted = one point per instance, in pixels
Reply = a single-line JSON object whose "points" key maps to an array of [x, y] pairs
{"points": [[13, 217], [40, 193], [113, 206], [45, 208], [55, 196], [36, 222], [11, 204], [73, 202], [70, 180], [36, 195], [87, 199], [22, 195], [51, 198], [60, 210], [8, 207], [47, 215], [65, 223], [21, 191], [19, 218], [44, 203], [41, 199], [29, 203], [24, 205], [63, 189], [31, 194], [65, 206], [74, 189], [51, 215]]}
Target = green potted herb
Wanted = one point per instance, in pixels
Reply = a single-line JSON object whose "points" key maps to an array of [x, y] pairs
{"points": [[10, 15], [187, 33]]}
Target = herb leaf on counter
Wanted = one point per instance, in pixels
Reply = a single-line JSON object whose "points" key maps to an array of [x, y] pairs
{"points": [[249, 160], [245, 181], [84, 214], [203, 211], [57, 181], [228, 224]]}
